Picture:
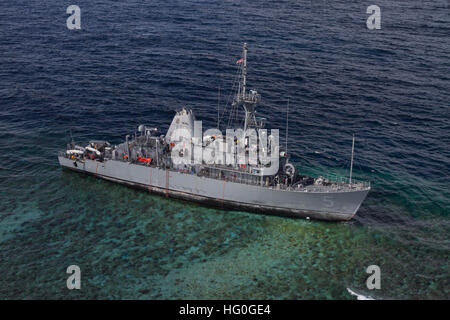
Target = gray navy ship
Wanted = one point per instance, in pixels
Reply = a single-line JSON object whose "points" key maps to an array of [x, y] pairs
{"points": [[244, 170]]}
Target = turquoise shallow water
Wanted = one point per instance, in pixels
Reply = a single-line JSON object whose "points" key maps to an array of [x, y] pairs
{"points": [[130, 244], [143, 61]]}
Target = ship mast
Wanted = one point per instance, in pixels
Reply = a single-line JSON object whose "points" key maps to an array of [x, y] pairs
{"points": [[244, 70], [351, 162], [247, 100], [287, 125]]}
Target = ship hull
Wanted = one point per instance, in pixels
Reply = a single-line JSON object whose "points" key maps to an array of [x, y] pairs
{"points": [[332, 206]]}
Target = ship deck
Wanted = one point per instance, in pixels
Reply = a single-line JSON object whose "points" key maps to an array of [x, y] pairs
{"points": [[333, 183]]}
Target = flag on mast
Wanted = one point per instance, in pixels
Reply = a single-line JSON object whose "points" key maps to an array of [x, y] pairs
{"points": [[240, 60]]}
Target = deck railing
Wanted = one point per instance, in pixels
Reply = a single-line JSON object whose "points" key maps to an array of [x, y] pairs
{"points": [[242, 175]]}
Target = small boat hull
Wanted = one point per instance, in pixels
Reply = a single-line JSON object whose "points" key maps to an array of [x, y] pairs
{"points": [[331, 206]]}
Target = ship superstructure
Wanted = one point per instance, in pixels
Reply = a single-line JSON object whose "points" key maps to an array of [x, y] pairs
{"points": [[244, 169]]}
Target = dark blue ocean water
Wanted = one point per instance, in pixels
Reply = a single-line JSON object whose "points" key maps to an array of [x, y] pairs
{"points": [[136, 62]]}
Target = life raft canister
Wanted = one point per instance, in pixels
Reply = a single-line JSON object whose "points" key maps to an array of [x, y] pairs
{"points": [[145, 160]]}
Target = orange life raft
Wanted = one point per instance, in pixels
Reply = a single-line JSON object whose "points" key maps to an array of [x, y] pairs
{"points": [[145, 160]]}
